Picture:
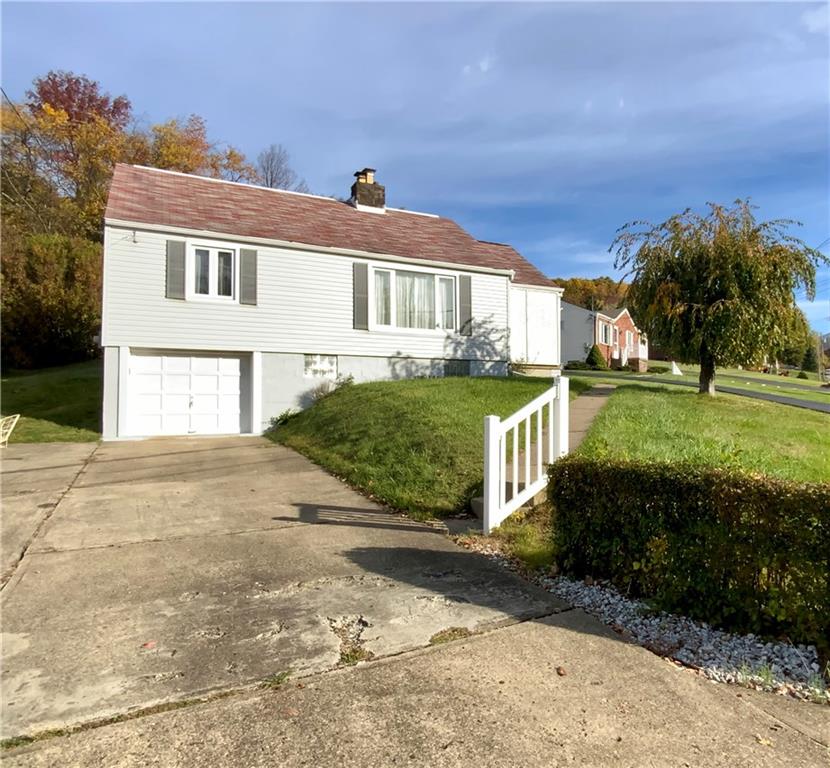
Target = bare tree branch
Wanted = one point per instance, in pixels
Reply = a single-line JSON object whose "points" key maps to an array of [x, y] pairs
{"points": [[275, 171]]}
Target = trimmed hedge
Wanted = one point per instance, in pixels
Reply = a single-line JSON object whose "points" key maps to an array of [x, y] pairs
{"points": [[741, 551]]}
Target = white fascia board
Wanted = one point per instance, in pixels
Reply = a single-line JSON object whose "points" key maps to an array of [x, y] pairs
{"points": [[273, 243], [549, 289]]}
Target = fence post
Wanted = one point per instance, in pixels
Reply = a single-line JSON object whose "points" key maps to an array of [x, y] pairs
{"points": [[561, 427], [492, 465]]}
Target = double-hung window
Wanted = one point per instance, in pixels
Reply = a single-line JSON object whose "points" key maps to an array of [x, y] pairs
{"points": [[409, 299], [212, 273], [605, 333]]}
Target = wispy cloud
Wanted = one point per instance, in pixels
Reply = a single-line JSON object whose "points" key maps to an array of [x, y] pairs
{"points": [[817, 20], [538, 124]]}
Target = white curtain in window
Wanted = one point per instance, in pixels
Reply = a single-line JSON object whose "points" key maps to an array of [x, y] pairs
{"points": [[446, 298], [202, 270], [415, 294], [383, 299]]}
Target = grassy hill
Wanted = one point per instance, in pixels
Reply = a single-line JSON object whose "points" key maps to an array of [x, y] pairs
{"points": [[56, 404]]}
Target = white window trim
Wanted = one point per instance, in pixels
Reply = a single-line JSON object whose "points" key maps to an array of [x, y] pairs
{"points": [[603, 326], [190, 270], [392, 268]]}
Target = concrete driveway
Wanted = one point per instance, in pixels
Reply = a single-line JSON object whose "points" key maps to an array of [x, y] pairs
{"points": [[162, 581], [168, 568]]}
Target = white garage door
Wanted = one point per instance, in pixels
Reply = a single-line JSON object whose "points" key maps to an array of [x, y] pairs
{"points": [[183, 394]]}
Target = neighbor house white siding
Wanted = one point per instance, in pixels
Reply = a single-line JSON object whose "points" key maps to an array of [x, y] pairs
{"points": [[304, 305], [577, 332]]}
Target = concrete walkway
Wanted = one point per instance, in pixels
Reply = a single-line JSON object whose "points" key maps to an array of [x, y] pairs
{"points": [[584, 410], [560, 691]]}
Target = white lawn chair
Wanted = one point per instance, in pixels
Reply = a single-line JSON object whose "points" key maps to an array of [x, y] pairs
{"points": [[7, 425]]}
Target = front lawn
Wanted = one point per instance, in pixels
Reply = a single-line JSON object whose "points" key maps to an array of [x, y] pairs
{"points": [[55, 404], [674, 423], [416, 445]]}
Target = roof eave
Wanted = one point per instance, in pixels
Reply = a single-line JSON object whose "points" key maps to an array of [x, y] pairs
{"points": [[275, 243]]}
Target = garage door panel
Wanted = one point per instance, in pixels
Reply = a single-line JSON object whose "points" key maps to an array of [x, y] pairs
{"points": [[181, 394], [150, 424], [177, 364], [204, 365], [147, 382], [228, 423], [177, 382], [176, 424], [229, 365], [229, 404], [205, 404], [146, 363], [174, 403], [229, 385], [149, 403], [202, 384]]}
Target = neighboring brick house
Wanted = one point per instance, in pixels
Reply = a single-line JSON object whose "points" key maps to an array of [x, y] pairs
{"points": [[618, 338]]}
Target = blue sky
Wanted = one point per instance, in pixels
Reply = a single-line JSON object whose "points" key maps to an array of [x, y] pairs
{"points": [[543, 125]]}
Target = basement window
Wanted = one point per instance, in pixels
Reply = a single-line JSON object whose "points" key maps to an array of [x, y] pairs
{"points": [[320, 366]]}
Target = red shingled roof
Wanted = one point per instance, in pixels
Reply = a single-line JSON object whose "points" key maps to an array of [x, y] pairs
{"points": [[150, 196]]}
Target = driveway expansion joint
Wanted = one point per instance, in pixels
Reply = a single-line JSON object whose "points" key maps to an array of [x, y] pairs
{"points": [[7, 576]]}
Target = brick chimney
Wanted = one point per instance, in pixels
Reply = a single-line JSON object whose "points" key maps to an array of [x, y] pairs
{"points": [[367, 194]]}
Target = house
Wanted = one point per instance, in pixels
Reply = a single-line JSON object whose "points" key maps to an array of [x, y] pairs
{"points": [[618, 338], [225, 304]]}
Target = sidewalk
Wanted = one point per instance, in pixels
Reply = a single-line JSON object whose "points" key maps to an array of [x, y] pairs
{"points": [[583, 411], [557, 691]]}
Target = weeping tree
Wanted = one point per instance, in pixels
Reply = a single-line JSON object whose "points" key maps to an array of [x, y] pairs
{"points": [[715, 289]]}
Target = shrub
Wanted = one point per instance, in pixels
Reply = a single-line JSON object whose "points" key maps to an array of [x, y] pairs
{"points": [[328, 387], [577, 365], [810, 361], [745, 552], [802, 375], [595, 358], [658, 369], [51, 300]]}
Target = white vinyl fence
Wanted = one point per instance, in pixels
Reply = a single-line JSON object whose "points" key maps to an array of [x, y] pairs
{"points": [[534, 436]]}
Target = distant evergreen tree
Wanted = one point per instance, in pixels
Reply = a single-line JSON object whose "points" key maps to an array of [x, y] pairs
{"points": [[810, 361], [595, 358]]}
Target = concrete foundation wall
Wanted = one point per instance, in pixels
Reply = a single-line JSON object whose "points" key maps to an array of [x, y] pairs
{"points": [[284, 385]]}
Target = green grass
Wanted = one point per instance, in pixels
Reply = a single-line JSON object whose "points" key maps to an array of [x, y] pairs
{"points": [[528, 536], [415, 444], [692, 371], [674, 423], [55, 404]]}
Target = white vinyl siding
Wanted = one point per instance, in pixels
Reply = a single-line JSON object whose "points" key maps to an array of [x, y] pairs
{"points": [[534, 325], [304, 306]]}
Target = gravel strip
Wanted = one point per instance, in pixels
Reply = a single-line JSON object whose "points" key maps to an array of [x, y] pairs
{"points": [[724, 657]]}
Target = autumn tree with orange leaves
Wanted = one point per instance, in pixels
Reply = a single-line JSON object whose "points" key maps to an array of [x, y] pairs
{"points": [[60, 146]]}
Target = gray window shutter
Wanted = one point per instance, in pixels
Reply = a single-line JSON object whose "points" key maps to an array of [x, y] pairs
{"points": [[361, 296], [465, 306], [175, 269], [247, 276]]}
